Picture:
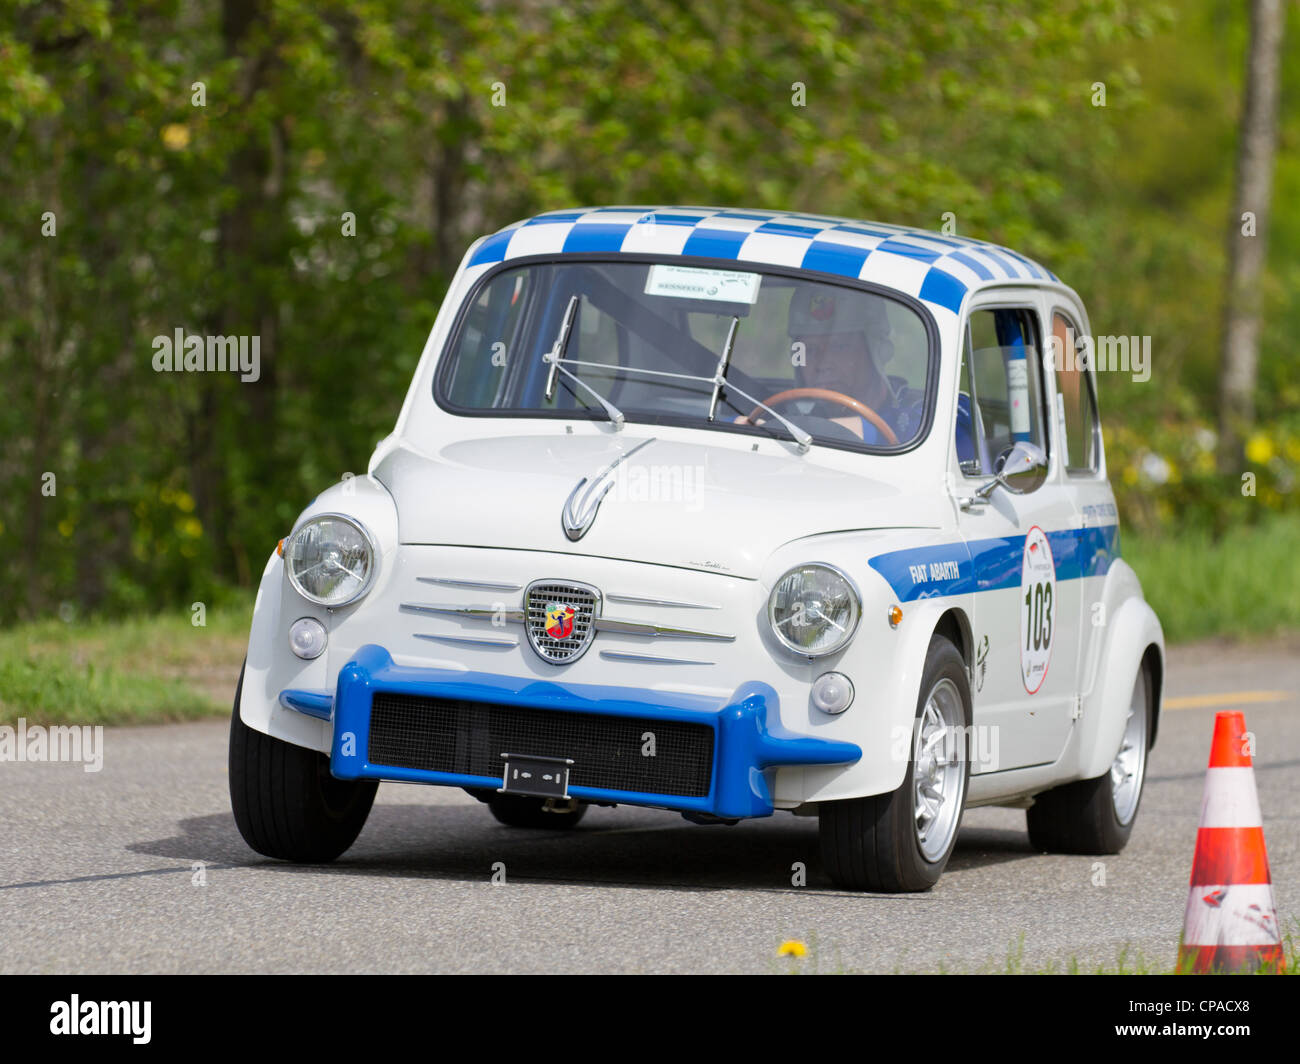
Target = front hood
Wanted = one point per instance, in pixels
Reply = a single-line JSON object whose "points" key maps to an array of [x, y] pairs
{"points": [[671, 503]]}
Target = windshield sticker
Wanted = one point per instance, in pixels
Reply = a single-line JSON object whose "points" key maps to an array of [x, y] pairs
{"points": [[691, 282]]}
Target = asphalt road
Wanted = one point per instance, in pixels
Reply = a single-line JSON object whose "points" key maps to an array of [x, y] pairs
{"points": [[99, 871]]}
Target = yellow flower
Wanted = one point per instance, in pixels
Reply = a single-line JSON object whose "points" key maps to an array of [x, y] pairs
{"points": [[65, 528], [175, 137], [792, 947], [1259, 448], [184, 501]]}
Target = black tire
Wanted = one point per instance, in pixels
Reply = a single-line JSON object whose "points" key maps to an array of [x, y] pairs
{"points": [[1080, 817], [872, 843], [286, 803], [520, 811]]}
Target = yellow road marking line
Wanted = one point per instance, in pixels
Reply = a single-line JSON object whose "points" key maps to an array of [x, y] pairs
{"points": [[1200, 701]]}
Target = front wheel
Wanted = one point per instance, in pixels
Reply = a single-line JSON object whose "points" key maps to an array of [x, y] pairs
{"points": [[902, 841], [286, 803], [1096, 816]]}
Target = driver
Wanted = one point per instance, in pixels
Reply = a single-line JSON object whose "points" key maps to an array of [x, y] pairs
{"points": [[842, 334]]}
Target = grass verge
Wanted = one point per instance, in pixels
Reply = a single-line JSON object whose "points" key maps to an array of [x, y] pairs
{"points": [[144, 670], [1246, 584]]}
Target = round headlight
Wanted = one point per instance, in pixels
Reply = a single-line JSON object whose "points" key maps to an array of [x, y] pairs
{"points": [[330, 560], [814, 610]]}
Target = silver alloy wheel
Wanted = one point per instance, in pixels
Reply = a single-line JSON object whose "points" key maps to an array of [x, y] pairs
{"points": [[1129, 766], [938, 775]]}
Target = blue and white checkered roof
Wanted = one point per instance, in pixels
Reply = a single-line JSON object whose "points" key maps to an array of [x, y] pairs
{"points": [[939, 270]]}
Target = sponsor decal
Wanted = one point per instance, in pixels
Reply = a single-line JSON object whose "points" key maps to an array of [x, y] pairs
{"points": [[1037, 609]]}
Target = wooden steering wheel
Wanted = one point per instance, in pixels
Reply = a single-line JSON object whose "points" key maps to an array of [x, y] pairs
{"points": [[857, 407]]}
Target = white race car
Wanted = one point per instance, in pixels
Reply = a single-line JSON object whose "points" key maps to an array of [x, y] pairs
{"points": [[722, 512]]}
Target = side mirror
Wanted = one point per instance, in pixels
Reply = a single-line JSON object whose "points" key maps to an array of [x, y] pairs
{"points": [[1023, 469]]}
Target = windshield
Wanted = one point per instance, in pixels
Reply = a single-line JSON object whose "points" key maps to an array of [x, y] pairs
{"points": [[649, 342]]}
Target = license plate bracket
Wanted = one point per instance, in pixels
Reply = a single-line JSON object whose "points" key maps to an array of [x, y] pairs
{"points": [[540, 777]]}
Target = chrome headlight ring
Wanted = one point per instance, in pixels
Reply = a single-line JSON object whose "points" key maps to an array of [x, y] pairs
{"points": [[297, 544]]}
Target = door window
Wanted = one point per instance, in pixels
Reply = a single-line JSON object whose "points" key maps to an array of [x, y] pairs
{"points": [[1001, 390]]}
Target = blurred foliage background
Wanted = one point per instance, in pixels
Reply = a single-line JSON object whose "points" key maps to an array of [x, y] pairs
{"points": [[170, 164]]}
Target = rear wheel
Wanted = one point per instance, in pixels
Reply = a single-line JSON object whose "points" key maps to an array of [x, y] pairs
{"points": [[286, 803], [902, 841], [1096, 816]]}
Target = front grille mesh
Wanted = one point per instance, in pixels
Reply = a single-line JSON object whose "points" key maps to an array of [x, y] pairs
{"points": [[468, 738], [539, 598]]}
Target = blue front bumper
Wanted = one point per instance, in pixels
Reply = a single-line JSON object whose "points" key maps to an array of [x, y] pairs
{"points": [[749, 741]]}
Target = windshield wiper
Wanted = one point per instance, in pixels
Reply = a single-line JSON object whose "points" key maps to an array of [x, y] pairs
{"points": [[802, 438], [720, 374], [556, 355]]}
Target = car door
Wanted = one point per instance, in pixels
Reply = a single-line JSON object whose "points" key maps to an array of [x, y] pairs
{"points": [[1025, 609], [1078, 430]]}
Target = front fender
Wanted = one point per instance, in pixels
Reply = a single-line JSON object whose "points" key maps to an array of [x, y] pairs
{"points": [[886, 708], [272, 667]]}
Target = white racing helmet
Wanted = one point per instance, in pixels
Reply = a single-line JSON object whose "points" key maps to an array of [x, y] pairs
{"points": [[820, 310]]}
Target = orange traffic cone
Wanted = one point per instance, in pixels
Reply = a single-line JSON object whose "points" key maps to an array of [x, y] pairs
{"points": [[1231, 922]]}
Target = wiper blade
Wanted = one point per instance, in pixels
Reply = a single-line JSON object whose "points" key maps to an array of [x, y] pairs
{"points": [[720, 374], [561, 342], [556, 355], [802, 438]]}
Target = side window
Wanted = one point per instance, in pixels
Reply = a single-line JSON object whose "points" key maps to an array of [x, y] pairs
{"points": [[492, 320], [1078, 404], [1001, 389]]}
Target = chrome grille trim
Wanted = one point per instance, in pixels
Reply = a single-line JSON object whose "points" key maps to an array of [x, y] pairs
{"points": [[649, 659], [665, 631], [486, 612], [469, 640], [637, 600], [473, 585], [586, 603]]}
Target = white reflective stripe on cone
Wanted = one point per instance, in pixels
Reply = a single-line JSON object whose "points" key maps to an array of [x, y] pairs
{"points": [[1231, 915], [1229, 799]]}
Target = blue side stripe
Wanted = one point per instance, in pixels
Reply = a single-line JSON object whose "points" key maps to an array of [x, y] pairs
{"points": [[828, 257], [596, 236], [943, 289], [993, 564], [715, 243]]}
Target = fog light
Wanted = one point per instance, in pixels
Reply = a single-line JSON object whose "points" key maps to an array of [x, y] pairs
{"points": [[307, 638], [832, 692]]}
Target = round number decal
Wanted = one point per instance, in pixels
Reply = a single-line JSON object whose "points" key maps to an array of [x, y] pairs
{"points": [[1037, 609]]}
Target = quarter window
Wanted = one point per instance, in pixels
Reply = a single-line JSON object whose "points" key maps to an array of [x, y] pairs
{"points": [[1078, 404]]}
